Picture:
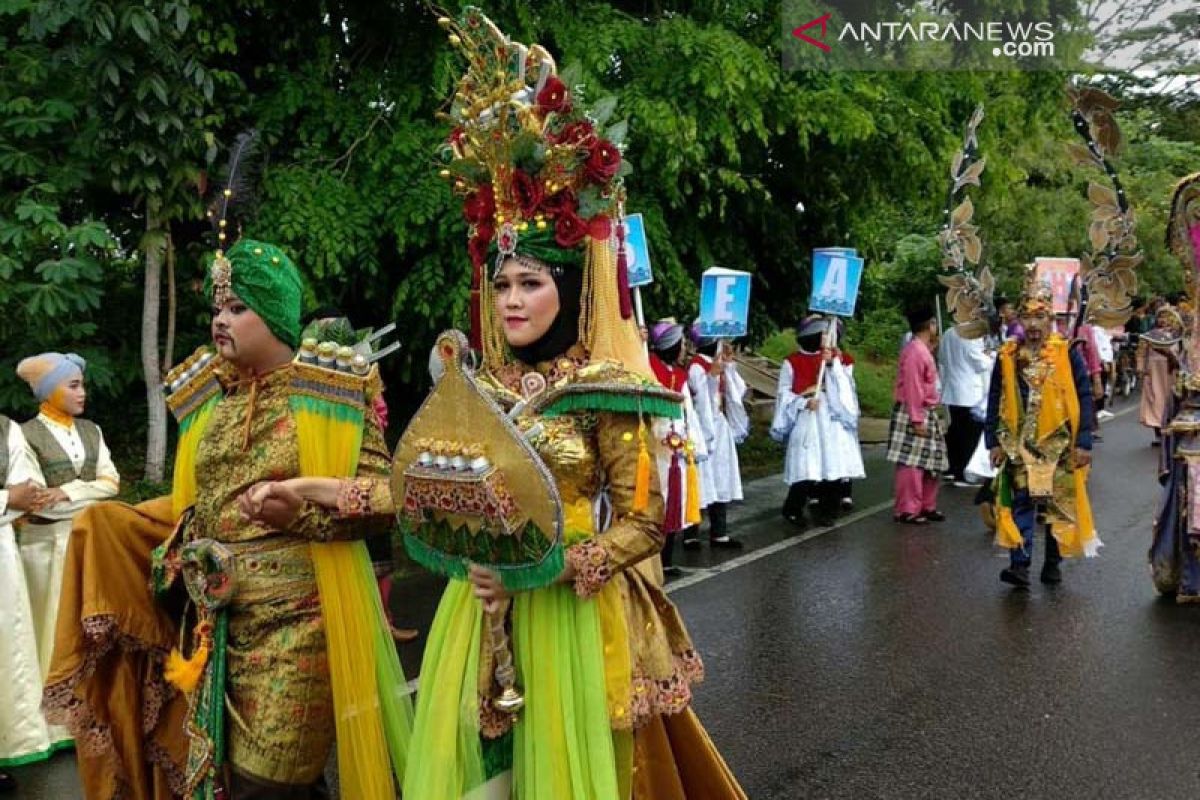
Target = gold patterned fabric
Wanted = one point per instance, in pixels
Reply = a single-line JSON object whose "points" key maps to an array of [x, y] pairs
{"points": [[281, 722], [587, 453]]}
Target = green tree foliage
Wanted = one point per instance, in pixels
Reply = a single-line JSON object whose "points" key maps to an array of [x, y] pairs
{"points": [[115, 112]]}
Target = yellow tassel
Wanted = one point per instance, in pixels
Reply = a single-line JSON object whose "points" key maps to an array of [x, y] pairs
{"points": [[184, 673], [641, 489], [692, 512]]}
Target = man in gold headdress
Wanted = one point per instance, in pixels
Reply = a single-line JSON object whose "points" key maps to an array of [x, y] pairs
{"points": [[1039, 429]]}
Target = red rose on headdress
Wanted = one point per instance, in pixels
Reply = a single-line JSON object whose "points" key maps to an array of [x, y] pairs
{"points": [[527, 192], [579, 134], [456, 136], [569, 230], [600, 227], [477, 249], [553, 97], [560, 202], [603, 161], [480, 205]]}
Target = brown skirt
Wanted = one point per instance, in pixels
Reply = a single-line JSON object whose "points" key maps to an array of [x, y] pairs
{"points": [[673, 759], [105, 682]]}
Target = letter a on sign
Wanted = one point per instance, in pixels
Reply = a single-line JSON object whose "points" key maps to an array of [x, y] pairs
{"points": [[837, 272]]}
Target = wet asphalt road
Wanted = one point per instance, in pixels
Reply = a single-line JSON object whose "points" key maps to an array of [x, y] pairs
{"points": [[880, 661]]}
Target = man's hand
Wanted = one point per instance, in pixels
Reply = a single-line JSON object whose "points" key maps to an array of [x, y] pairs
{"points": [[997, 455], [273, 505], [23, 496], [813, 403], [1083, 457]]}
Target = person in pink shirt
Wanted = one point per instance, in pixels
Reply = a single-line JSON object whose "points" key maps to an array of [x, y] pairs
{"points": [[916, 444]]}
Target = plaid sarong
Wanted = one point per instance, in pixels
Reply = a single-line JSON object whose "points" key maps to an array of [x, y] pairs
{"points": [[907, 447]]}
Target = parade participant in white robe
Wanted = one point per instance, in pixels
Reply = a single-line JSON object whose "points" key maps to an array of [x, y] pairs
{"points": [[717, 392], [72, 461], [24, 737], [964, 366], [683, 442], [818, 424]]}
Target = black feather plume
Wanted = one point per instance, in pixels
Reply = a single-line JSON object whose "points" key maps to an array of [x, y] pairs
{"points": [[237, 183]]}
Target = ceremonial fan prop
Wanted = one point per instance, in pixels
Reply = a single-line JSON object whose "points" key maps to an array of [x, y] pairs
{"points": [[470, 489]]}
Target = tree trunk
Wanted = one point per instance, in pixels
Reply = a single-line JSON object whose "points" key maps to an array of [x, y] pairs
{"points": [[154, 247], [168, 359]]}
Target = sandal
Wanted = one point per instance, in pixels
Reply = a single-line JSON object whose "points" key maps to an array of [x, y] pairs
{"points": [[933, 516], [910, 519]]}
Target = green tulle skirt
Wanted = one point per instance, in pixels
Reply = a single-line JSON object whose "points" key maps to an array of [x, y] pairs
{"points": [[562, 744]]}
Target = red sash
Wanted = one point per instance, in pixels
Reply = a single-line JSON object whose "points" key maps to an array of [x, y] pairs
{"points": [[671, 376], [806, 367]]}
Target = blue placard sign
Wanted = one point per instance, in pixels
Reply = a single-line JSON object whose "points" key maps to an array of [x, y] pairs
{"points": [[837, 273], [724, 303], [637, 252]]}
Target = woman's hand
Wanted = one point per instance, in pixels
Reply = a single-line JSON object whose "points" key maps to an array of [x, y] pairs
{"points": [[272, 504], [489, 588], [48, 498], [24, 496]]}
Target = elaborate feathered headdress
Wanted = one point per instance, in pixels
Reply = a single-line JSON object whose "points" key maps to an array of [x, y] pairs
{"points": [[542, 180], [968, 293]]}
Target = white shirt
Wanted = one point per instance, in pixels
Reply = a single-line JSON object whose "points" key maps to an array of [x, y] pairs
{"points": [[964, 366], [1103, 341], [20, 469], [81, 493]]}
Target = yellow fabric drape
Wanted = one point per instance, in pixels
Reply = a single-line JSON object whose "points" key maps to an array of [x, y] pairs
{"points": [[1008, 535], [1010, 398], [1059, 402], [183, 485], [1060, 406], [329, 447]]}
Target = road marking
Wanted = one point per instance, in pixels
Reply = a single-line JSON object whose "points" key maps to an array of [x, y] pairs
{"points": [[701, 574], [704, 574]]}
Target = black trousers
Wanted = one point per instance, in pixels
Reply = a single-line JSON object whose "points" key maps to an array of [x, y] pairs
{"points": [[827, 494], [962, 437]]}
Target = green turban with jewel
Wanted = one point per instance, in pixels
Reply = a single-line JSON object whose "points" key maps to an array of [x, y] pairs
{"points": [[266, 280]]}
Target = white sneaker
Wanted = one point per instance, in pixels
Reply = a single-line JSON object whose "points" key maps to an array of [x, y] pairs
{"points": [[1105, 414]]}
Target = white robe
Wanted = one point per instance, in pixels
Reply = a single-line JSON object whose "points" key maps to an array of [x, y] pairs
{"points": [[44, 547], [822, 445], [720, 476], [24, 736]]}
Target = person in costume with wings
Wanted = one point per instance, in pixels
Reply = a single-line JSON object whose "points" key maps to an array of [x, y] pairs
{"points": [[264, 642]]}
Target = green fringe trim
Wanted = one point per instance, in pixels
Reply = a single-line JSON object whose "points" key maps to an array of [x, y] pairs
{"points": [[497, 755], [620, 403], [340, 411], [514, 578], [187, 422]]}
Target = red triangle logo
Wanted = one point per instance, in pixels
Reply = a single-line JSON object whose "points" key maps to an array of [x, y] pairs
{"points": [[823, 21]]}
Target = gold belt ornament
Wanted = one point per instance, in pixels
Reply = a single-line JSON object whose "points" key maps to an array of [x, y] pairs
{"points": [[1040, 473]]}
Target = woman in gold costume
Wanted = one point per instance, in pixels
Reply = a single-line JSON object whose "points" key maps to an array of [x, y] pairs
{"points": [[606, 665]]}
